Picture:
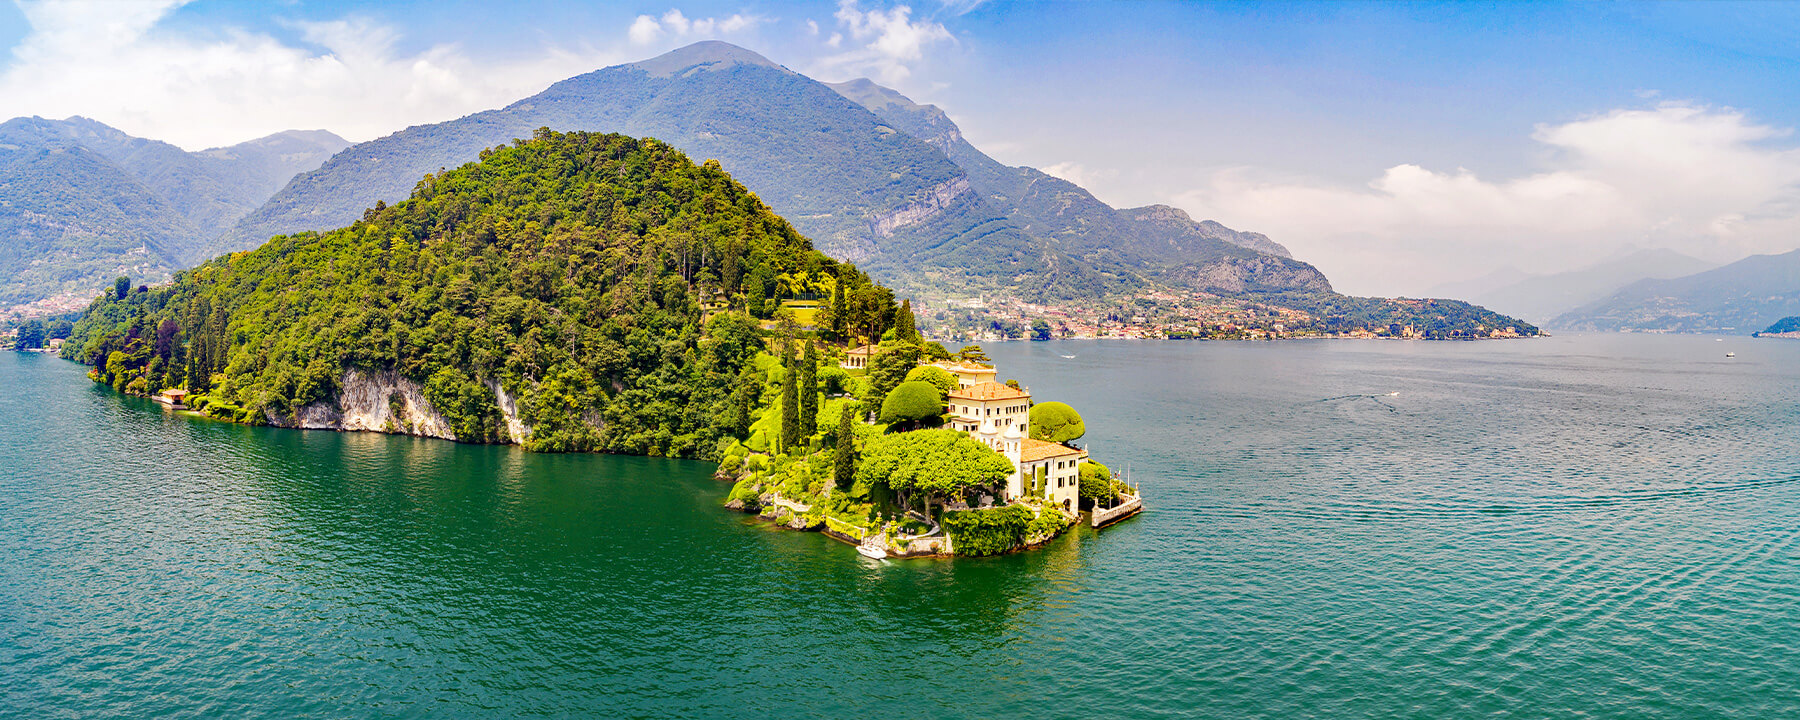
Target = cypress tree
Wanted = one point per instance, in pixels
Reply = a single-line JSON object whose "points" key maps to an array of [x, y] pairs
{"points": [[843, 465], [790, 401], [904, 330], [809, 389], [839, 323]]}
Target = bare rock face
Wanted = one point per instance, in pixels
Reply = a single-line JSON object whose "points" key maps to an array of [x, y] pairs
{"points": [[1263, 272], [735, 504], [917, 211], [375, 401]]}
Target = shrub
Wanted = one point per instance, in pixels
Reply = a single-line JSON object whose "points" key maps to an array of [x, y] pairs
{"points": [[1056, 422], [1096, 484], [987, 532], [746, 490]]}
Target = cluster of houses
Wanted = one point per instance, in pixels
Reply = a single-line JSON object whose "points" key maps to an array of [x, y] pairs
{"points": [[999, 415]]}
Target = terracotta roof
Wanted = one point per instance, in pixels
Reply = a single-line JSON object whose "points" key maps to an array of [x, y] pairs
{"points": [[989, 391], [864, 350], [1034, 450]]}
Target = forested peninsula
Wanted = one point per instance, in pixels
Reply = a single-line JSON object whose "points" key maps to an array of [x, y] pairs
{"points": [[592, 292], [574, 292]]}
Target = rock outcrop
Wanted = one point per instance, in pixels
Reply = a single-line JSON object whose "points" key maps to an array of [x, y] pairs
{"points": [[936, 199], [1252, 274]]}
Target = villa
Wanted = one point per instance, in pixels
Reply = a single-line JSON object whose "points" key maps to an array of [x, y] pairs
{"points": [[999, 415]]}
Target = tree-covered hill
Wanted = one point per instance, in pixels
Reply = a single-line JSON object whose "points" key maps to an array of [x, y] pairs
{"points": [[573, 292], [868, 193]]}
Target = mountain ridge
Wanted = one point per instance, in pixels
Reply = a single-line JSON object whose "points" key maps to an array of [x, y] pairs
{"points": [[1740, 297]]}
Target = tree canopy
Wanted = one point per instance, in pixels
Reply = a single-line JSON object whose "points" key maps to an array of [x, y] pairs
{"points": [[912, 401], [937, 376], [1056, 422], [935, 462], [1097, 484]]}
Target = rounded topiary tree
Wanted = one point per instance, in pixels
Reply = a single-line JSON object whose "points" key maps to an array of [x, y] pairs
{"points": [[937, 376], [1056, 422], [912, 401]]}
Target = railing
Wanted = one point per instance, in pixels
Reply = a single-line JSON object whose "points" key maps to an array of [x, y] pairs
{"points": [[1134, 504]]}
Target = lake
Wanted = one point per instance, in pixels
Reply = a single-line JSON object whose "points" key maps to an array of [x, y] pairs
{"points": [[1587, 525]]}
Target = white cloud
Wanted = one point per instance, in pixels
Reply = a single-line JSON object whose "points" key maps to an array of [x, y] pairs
{"points": [[1079, 174], [646, 30], [1705, 181], [885, 43], [109, 61]]}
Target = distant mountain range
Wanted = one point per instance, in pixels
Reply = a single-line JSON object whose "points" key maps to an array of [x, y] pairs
{"points": [[869, 175], [1538, 298], [81, 202], [1743, 297]]}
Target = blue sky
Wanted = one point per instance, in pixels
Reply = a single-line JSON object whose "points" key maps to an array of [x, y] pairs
{"points": [[1395, 145]]}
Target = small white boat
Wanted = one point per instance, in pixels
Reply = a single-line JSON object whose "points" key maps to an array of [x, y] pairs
{"points": [[1730, 354], [871, 552]]}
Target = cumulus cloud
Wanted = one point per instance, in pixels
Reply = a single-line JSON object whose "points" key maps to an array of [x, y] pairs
{"points": [[108, 61], [673, 25], [1696, 179], [882, 43]]}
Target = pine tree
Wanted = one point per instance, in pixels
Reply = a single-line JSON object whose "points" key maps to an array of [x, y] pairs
{"points": [[904, 330], [843, 465], [809, 389], [790, 401]]}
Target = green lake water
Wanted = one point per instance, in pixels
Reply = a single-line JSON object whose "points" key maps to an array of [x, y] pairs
{"points": [[1584, 526]]}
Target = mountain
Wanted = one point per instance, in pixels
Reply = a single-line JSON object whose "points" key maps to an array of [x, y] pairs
{"points": [[1158, 240], [84, 202], [562, 293], [1741, 297], [1539, 298], [870, 188], [864, 191]]}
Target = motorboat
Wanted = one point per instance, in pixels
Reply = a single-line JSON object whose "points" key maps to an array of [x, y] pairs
{"points": [[871, 552]]}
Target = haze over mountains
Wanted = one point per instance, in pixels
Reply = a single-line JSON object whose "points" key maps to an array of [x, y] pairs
{"points": [[1539, 298], [1742, 297], [869, 175], [81, 202]]}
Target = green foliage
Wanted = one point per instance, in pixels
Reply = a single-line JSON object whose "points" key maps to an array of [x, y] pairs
{"points": [[972, 353], [843, 460], [889, 368], [904, 328], [1048, 523], [936, 376], [988, 531], [1096, 484], [935, 462], [912, 402], [746, 491], [1056, 422], [31, 335], [808, 387], [567, 270], [790, 437]]}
